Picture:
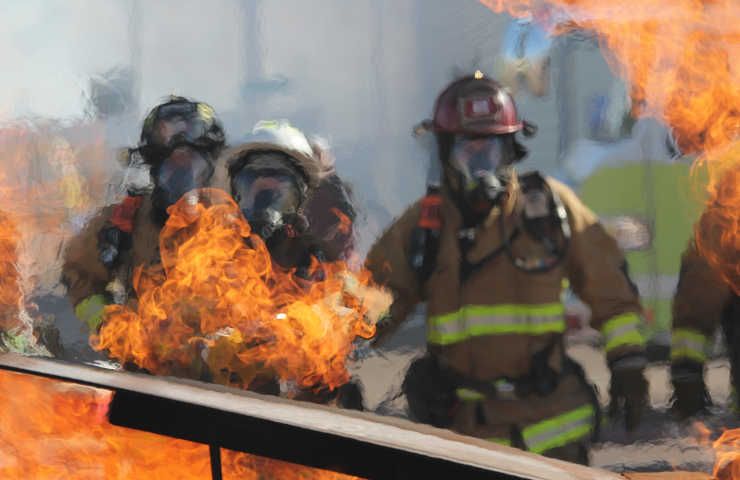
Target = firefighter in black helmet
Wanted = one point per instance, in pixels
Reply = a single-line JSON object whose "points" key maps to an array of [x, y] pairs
{"points": [[180, 143]]}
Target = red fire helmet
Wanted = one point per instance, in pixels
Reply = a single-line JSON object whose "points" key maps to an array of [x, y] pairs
{"points": [[475, 105]]}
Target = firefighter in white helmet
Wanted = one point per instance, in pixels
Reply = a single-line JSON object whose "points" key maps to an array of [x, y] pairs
{"points": [[295, 202], [181, 140], [293, 199]]}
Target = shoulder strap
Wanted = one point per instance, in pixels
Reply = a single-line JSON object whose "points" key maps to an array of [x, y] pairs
{"points": [[425, 236]]}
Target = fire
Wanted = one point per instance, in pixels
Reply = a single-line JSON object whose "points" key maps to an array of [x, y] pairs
{"points": [[218, 304], [678, 58], [345, 224], [60, 430], [10, 289], [718, 229], [41, 185], [48, 184], [727, 447]]}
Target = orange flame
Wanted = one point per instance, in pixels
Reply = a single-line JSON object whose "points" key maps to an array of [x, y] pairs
{"points": [[718, 229], [218, 304], [60, 430], [41, 184], [727, 447], [46, 182], [10, 288], [345, 224], [678, 58]]}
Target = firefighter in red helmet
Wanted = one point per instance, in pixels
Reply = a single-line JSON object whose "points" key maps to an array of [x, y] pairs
{"points": [[488, 251]]}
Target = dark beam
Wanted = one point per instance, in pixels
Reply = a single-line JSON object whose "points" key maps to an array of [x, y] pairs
{"points": [[358, 443], [281, 442]]}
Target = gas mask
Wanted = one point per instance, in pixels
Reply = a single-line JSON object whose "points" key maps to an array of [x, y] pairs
{"points": [[270, 192], [482, 166], [180, 170]]}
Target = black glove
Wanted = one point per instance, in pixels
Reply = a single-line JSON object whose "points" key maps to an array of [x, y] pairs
{"points": [[350, 395], [690, 394], [628, 390], [430, 394]]}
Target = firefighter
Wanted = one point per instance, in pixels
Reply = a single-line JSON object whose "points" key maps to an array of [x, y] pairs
{"points": [[181, 140], [703, 301], [288, 191], [291, 198], [488, 251]]}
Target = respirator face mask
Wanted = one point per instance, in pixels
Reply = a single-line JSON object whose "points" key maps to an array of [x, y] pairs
{"points": [[185, 168], [482, 166], [269, 199]]}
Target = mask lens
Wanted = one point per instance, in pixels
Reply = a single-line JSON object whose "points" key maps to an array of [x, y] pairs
{"points": [[183, 170], [259, 191], [476, 156]]}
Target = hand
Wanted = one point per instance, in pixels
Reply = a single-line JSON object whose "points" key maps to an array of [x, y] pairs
{"points": [[690, 394], [628, 392]]}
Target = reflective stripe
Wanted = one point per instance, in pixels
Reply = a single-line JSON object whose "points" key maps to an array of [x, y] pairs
{"points": [[468, 395], [688, 343], [561, 430], [90, 311], [477, 320], [504, 390], [622, 330]]}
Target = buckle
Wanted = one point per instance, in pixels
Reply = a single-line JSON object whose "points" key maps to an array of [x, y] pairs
{"points": [[466, 233], [505, 389]]}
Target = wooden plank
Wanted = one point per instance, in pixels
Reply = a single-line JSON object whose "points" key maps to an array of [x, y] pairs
{"points": [[395, 438]]}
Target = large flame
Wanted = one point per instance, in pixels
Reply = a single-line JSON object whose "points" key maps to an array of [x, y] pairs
{"points": [[48, 183], [678, 58], [60, 430], [42, 185], [218, 304]]}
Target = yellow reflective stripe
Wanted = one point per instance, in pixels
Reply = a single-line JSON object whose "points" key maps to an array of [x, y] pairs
{"points": [[468, 395], [90, 311], [477, 320], [688, 343], [560, 430], [546, 309], [679, 353], [622, 330]]}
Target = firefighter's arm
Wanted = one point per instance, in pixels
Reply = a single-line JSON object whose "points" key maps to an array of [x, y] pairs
{"points": [[84, 274], [597, 271], [698, 303], [388, 262]]}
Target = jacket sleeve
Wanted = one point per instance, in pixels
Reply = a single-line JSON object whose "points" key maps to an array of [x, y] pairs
{"points": [[388, 262], [698, 304], [82, 271], [597, 271]]}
